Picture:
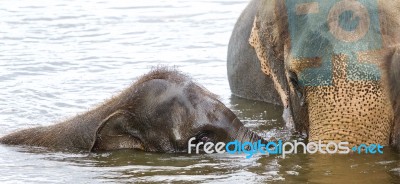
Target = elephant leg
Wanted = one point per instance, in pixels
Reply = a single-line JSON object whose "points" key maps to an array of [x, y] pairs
{"points": [[245, 76]]}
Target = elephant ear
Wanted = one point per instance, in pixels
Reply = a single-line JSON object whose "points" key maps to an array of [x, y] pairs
{"points": [[116, 132]]}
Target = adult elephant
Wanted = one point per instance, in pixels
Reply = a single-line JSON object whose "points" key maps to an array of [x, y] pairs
{"points": [[158, 113], [334, 65]]}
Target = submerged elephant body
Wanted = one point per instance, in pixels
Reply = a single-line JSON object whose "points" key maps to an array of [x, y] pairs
{"points": [[160, 112], [334, 64]]}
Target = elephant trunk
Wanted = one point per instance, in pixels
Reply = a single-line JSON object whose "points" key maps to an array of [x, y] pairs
{"points": [[246, 135], [357, 116], [356, 108]]}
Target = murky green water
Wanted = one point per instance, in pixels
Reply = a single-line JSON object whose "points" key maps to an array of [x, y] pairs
{"points": [[59, 58]]}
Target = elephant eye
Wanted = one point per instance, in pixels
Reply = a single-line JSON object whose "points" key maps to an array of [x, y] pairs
{"points": [[203, 137], [294, 80]]}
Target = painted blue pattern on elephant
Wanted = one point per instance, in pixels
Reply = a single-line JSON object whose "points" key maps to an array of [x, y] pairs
{"points": [[332, 27], [347, 21]]}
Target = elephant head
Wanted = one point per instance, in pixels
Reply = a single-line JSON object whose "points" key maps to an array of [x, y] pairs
{"points": [[331, 63], [159, 113]]}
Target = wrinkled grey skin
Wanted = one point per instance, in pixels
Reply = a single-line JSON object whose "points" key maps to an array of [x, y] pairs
{"points": [[244, 74], [240, 54], [160, 113]]}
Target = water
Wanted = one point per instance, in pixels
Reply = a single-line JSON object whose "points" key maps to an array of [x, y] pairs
{"points": [[59, 58]]}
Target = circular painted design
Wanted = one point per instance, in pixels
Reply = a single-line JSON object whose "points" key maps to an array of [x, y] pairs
{"points": [[348, 21]]}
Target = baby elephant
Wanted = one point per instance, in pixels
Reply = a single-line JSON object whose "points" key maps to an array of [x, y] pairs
{"points": [[160, 112]]}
